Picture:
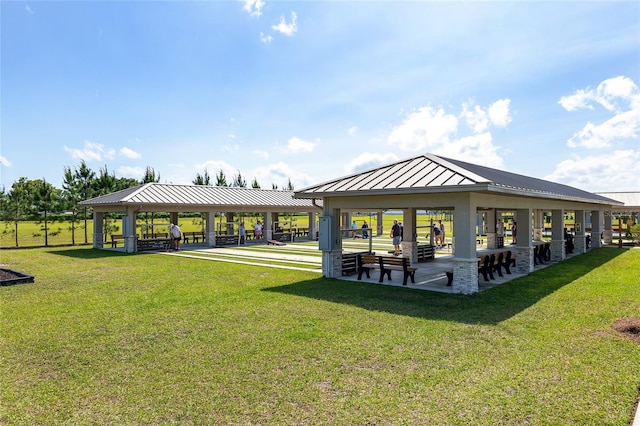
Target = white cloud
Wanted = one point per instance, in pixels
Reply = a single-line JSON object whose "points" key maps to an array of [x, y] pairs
{"points": [[617, 171], [279, 174], [296, 144], [4, 161], [91, 152], [287, 29], [619, 95], [434, 130], [426, 128], [477, 149], [254, 7], [265, 38], [353, 130], [129, 153], [29, 10], [213, 167], [131, 172], [479, 119], [499, 113], [230, 148], [261, 154], [369, 160]]}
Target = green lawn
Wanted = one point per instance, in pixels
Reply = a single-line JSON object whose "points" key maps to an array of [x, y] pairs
{"points": [[112, 338]]}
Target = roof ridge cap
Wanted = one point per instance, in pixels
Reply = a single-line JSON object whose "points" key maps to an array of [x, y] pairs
{"points": [[460, 170], [137, 191]]}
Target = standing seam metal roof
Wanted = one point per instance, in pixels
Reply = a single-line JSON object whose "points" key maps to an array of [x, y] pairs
{"points": [[201, 195], [428, 171]]}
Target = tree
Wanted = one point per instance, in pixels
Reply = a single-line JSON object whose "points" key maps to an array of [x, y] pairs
{"points": [[105, 183], [124, 183], [290, 185], [72, 190], [239, 181], [255, 183], [221, 179], [18, 203], [85, 176], [45, 196], [274, 186], [202, 179], [150, 175]]}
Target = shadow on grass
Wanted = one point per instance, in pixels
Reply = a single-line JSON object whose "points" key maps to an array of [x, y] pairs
{"points": [[489, 307], [87, 253]]}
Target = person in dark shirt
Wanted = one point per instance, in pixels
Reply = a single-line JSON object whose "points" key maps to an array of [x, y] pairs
{"points": [[396, 234]]}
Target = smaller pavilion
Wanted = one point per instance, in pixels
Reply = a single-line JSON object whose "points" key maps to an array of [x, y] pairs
{"points": [[208, 200]]}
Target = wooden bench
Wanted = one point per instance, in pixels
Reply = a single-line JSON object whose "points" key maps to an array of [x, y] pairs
{"points": [[227, 240], [426, 252], [115, 238], [366, 262], [154, 244], [350, 262], [386, 264], [195, 236]]}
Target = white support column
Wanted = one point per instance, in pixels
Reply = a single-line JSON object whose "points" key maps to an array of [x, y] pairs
{"points": [[538, 224], [465, 262], [98, 237], [409, 245], [558, 252], [492, 241], [607, 233], [332, 257], [129, 231], [210, 228], [580, 243], [267, 228], [596, 219], [524, 247]]}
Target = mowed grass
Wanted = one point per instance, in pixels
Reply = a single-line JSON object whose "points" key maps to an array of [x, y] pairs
{"points": [[111, 338]]}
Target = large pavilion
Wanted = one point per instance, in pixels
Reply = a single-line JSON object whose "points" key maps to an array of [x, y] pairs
{"points": [[430, 182]]}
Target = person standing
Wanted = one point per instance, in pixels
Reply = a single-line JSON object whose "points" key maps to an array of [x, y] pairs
{"points": [[243, 232], [365, 233], [514, 231], [257, 230], [396, 236], [354, 226], [441, 227], [176, 236]]}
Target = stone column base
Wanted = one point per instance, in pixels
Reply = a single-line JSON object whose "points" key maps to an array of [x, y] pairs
{"points": [[524, 260], [332, 264], [580, 242], [558, 253], [410, 250], [465, 276], [607, 236]]}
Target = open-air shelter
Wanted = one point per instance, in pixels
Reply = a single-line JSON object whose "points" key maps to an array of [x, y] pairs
{"points": [[476, 194], [204, 199]]}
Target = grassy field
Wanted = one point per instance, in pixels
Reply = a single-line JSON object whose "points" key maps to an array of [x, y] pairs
{"points": [[111, 338]]}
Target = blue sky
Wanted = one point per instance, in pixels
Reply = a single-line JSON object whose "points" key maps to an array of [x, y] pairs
{"points": [[310, 91]]}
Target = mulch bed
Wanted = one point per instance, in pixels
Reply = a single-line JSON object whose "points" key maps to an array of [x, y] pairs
{"points": [[9, 277], [629, 328]]}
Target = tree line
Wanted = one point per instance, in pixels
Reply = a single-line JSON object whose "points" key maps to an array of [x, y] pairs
{"points": [[37, 200]]}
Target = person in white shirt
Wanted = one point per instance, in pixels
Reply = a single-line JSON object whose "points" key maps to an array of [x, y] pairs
{"points": [[257, 230], [176, 235]]}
